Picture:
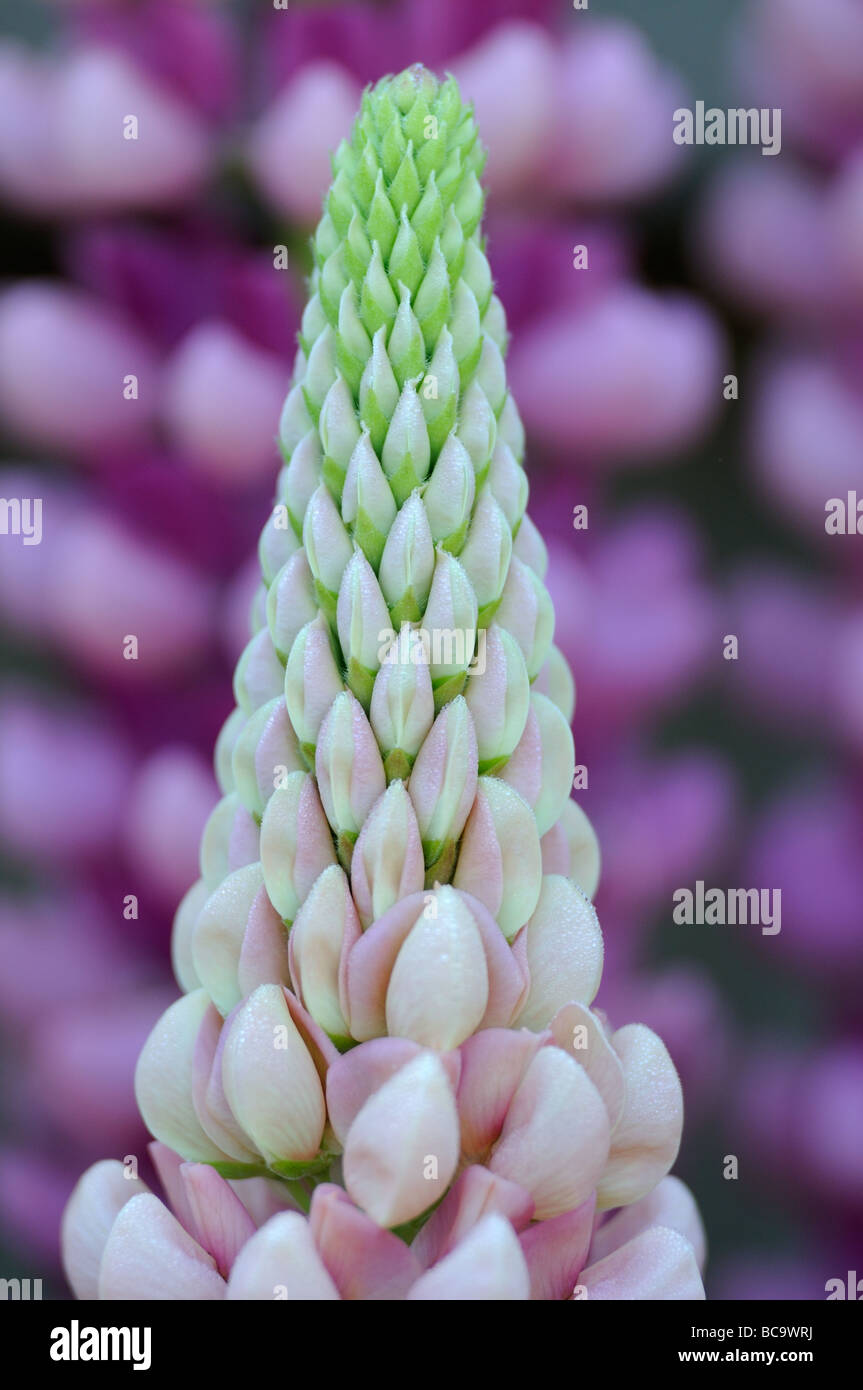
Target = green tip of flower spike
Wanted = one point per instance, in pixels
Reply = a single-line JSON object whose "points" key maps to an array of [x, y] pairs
{"points": [[399, 397]]}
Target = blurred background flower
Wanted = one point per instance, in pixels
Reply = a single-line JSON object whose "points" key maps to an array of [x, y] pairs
{"points": [[148, 321]]}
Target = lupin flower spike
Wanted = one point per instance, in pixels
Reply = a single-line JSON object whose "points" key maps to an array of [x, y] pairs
{"points": [[385, 1077]]}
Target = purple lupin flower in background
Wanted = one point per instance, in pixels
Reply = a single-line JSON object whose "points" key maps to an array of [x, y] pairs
{"points": [[375, 934]]}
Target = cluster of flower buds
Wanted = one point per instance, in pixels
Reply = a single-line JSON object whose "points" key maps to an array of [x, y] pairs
{"points": [[384, 1078]]}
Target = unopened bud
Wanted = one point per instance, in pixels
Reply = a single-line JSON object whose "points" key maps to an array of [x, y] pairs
{"points": [[349, 768], [402, 706], [296, 844], [449, 495], [368, 506], [326, 926], [477, 428], [387, 862], [443, 783], [527, 612], [500, 860], [271, 1082], [362, 616], [312, 681], [339, 430], [408, 563], [406, 454], [486, 554], [498, 698], [291, 603], [328, 546]]}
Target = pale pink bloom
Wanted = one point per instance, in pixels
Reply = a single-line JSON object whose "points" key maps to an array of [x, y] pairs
{"points": [[764, 233], [657, 1264], [66, 362], [164, 813], [808, 63], [30, 164], [289, 148], [628, 376], [219, 396], [846, 215], [152, 597], [805, 411], [613, 114], [108, 165], [82, 1060], [402, 1114], [63, 779], [519, 54]]}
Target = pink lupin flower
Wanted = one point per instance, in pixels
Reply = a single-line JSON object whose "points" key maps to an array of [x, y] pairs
{"points": [[386, 1038]]}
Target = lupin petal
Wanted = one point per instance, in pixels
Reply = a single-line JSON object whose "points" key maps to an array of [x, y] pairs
{"points": [[271, 1082]]}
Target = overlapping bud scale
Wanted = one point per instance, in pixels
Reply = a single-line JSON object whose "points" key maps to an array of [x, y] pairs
{"points": [[391, 954]]}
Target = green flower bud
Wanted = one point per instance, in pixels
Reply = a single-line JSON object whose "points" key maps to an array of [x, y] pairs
{"points": [[382, 224], [449, 494], [406, 454], [320, 372], [450, 620], [358, 248], [408, 563], [225, 744], [368, 506], [379, 392], [328, 547], [278, 542], [339, 430], [468, 204], [498, 697], [477, 274], [377, 301], [349, 770], [510, 428], [294, 421], [526, 610], [452, 245], [314, 321], [466, 330], [405, 187], [363, 621], [530, 547], [340, 207], [353, 345], [486, 554], [494, 325], [405, 347], [302, 478], [402, 705], [332, 282], [556, 681], [259, 674], [312, 682], [507, 482], [296, 845], [406, 265], [432, 300], [428, 219], [291, 602], [326, 238], [491, 374], [439, 392], [477, 428], [443, 784]]}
